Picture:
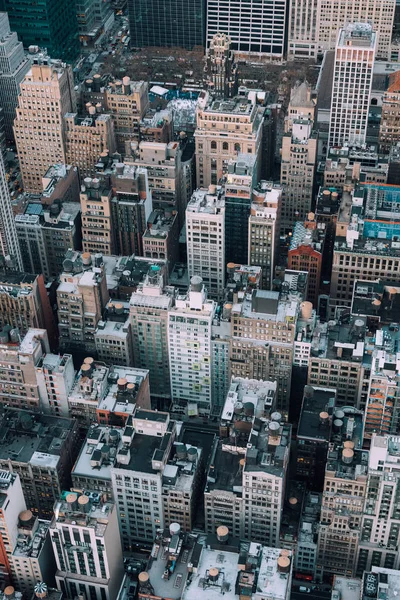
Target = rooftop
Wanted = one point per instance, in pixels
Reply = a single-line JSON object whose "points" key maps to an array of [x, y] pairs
{"points": [[312, 426], [347, 463], [377, 299], [341, 341], [360, 35], [248, 395], [33, 438], [159, 224], [310, 518], [211, 201], [85, 510], [308, 236], [268, 306], [381, 583], [30, 539], [348, 588]]}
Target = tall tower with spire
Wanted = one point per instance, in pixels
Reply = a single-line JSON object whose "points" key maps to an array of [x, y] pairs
{"points": [[221, 69]]}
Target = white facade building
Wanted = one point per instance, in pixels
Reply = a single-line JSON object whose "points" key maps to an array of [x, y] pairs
{"points": [[205, 236], [352, 83], [314, 24], [55, 375], [87, 547], [189, 344], [255, 28]]}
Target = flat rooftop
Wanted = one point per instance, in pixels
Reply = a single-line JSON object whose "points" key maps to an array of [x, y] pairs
{"points": [[227, 563], [315, 401], [349, 588], [32, 438], [203, 201]]}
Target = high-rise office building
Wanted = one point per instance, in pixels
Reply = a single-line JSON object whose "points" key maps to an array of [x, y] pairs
{"points": [[380, 527], [96, 197], [18, 360], [154, 479], [32, 558], [45, 233], [55, 376], [264, 328], [81, 297], [127, 101], [87, 546], [389, 130], [47, 24], [86, 137], [365, 219], [342, 508], [314, 24], [24, 303], [47, 93], [14, 67], [9, 245], [221, 76], [205, 239], [301, 105], [12, 503], [299, 155], [42, 450], [224, 129], [255, 28], [149, 307], [240, 180], [382, 412], [263, 229], [165, 172], [258, 462], [352, 83], [335, 15], [189, 344], [167, 23], [303, 19]]}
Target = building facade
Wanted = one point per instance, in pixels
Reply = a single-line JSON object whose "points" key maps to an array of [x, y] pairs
{"points": [[167, 24], [54, 28], [352, 82], [235, 19], [14, 67], [205, 239], [47, 93]]}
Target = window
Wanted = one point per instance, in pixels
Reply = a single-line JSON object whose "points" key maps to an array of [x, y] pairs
{"points": [[225, 146], [213, 145]]}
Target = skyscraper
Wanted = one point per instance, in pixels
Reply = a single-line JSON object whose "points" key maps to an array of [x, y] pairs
{"points": [[240, 180], [255, 27], [205, 227], [46, 23], [167, 23], [9, 246], [14, 67], [221, 69], [352, 82], [47, 93], [313, 24], [299, 155]]}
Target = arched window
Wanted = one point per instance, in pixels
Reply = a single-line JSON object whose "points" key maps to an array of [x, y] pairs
{"points": [[237, 147], [225, 146], [213, 145]]}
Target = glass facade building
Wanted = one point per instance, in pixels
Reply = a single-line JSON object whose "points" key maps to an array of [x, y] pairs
{"points": [[167, 23], [50, 24]]}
